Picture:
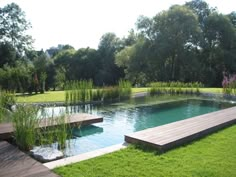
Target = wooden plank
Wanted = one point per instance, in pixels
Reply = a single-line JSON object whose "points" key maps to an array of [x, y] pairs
{"points": [[177, 133], [14, 163], [6, 129]]}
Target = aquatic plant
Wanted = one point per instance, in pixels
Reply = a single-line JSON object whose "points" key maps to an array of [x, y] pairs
{"points": [[78, 91], [98, 94], [111, 93], [174, 88], [25, 122], [31, 130], [124, 89]]}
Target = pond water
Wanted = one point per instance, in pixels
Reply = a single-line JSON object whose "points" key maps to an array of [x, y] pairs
{"points": [[131, 116]]}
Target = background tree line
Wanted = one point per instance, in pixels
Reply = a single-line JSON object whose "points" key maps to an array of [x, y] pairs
{"points": [[191, 42]]}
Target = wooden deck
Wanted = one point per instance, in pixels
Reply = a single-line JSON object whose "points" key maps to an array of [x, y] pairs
{"points": [[14, 163], [178, 133], [6, 129]]}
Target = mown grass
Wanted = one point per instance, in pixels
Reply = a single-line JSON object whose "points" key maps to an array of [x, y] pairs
{"points": [[51, 96], [55, 96], [211, 90], [59, 96], [212, 156]]}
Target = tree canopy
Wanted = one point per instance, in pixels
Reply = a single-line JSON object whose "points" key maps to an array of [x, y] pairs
{"points": [[187, 43]]}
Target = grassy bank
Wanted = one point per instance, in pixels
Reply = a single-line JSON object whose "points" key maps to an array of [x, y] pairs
{"points": [[59, 96], [214, 155]]}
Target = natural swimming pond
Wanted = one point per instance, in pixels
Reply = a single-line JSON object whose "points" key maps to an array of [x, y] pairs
{"points": [[131, 116]]}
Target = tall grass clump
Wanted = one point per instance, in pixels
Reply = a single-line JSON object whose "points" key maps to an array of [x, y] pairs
{"points": [[25, 122], [98, 94], [124, 89], [174, 88], [63, 131], [78, 91], [31, 130], [59, 134], [111, 93]]}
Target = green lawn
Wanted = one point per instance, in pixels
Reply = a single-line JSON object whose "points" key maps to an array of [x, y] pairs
{"points": [[213, 156], [59, 96], [211, 90], [52, 96]]}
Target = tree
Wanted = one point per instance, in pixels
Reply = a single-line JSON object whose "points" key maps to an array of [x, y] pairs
{"points": [[201, 9], [86, 63], [41, 64], [13, 27], [170, 33], [219, 48], [133, 59], [232, 17], [7, 54], [60, 78], [17, 78], [109, 73]]}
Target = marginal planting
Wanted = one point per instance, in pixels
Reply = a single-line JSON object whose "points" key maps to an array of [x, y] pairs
{"points": [[124, 89], [78, 91], [25, 122], [83, 91], [29, 132], [174, 88], [59, 134]]}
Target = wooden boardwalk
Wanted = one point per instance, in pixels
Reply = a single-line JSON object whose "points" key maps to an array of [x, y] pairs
{"points": [[6, 129], [14, 163], [178, 133]]}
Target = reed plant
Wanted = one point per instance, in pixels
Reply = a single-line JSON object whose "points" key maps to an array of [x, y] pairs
{"points": [[57, 130], [63, 131], [78, 91], [98, 94], [28, 129], [25, 122], [124, 89], [174, 88], [111, 93]]}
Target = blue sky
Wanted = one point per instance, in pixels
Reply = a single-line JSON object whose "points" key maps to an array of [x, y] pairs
{"points": [[81, 23]]}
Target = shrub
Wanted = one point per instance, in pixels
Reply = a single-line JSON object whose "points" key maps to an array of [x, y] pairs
{"points": [[7, 99], [229, 83]]}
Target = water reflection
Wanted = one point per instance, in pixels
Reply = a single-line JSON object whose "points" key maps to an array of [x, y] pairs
{"points": [[86, 130]]}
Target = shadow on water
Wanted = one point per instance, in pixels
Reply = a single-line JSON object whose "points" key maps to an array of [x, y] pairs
{"points": [[86, 130]]}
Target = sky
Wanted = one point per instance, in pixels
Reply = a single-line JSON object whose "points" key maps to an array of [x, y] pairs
{"points": [[81, 23]]}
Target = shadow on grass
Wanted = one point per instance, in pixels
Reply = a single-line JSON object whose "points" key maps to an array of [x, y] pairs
{"points": [[146, 148], [28, 94]]}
